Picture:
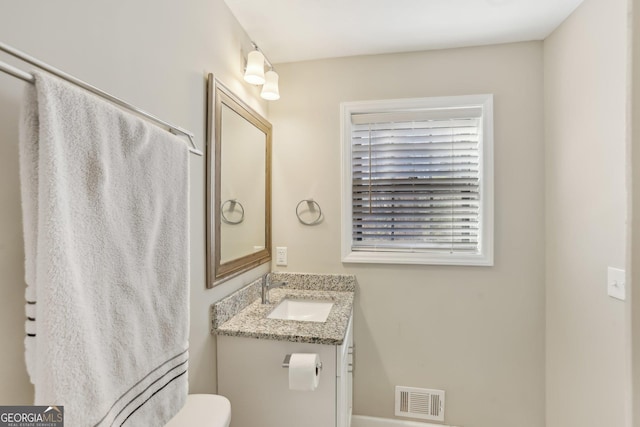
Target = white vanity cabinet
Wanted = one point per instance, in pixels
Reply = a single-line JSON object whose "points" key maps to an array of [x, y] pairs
{"points": [[251, 375], [344, 383]]}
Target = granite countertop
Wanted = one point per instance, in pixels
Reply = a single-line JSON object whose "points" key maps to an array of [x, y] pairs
{"points": [[242, 315]]}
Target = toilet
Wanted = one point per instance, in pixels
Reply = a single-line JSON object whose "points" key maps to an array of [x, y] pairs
{"points": [[203, 410]]}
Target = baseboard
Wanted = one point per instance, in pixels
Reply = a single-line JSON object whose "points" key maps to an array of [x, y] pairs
{"points": [[362, 421]]}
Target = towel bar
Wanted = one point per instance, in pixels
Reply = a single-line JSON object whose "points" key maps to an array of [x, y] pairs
{"points": [[15, 72]]}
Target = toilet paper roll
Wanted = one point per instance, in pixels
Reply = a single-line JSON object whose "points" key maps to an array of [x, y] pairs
{"points": [[304, 371]]}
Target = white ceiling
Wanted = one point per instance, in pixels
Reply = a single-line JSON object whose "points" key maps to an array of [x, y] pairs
{"points": [[298, 30]]}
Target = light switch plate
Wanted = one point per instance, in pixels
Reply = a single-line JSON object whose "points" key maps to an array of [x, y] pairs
{"points": [[616, 283], [281, 255]]}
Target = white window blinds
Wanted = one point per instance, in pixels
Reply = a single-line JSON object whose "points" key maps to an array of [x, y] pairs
{"points": [[416, 180]]}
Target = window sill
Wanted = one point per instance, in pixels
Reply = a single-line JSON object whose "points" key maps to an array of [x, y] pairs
{"points": [[479, 260]]}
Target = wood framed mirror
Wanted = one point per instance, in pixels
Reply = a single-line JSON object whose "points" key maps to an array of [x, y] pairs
{"points": [[238, 185]]}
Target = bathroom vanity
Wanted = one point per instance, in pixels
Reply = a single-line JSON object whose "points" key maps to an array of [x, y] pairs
{"points": [[252, 350]]}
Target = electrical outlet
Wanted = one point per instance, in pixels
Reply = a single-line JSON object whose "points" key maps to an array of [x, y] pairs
{"points": [[616, 283], [281, 255]]}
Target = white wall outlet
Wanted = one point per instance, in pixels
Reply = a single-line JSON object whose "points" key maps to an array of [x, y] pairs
{"points": [[616, 283], [281, 255]]}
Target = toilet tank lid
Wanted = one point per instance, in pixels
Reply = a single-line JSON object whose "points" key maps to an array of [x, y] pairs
{"points": [[203, 410]]}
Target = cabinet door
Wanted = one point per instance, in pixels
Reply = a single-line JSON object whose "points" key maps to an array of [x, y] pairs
{"points": [[350, 370], [344, 381], [251, 376]]}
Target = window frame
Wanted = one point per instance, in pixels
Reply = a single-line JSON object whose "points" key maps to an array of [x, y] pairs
{"points": [[485, 256]]}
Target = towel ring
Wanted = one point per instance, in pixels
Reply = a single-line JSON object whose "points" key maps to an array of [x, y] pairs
{"points": [[312, 204], [233, 203]]}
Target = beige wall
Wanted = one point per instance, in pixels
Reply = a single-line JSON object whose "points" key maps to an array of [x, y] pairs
{"points": [[476, 332], [633, 272], [585, 133], [155, 54]]}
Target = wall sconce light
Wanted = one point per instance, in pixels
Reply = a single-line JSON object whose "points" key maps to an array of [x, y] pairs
{"points": [[270, 89], [255, 75]]}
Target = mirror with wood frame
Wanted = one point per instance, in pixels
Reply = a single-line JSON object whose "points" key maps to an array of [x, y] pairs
{"points": [[238, 185]]}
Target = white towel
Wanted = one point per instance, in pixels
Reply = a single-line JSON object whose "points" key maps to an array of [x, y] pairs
{"points": [[105, 205]]}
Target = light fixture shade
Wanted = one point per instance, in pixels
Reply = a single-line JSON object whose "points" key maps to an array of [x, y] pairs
{"points": [[254, 73], [270, 89]]}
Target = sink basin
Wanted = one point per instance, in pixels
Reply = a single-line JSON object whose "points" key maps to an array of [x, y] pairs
{"points": [[299, 309]]}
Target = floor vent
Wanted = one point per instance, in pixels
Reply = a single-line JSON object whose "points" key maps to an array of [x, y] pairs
{"points": [[420, 403]]}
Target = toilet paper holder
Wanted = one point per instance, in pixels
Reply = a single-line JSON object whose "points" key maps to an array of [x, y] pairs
{"points": [[287, 359]]}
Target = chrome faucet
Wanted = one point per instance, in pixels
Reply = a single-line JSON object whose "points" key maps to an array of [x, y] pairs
{"points": [[268, 284]]}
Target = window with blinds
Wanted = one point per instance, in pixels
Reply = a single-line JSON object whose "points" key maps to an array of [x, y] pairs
{"points": [[418, 180]]}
